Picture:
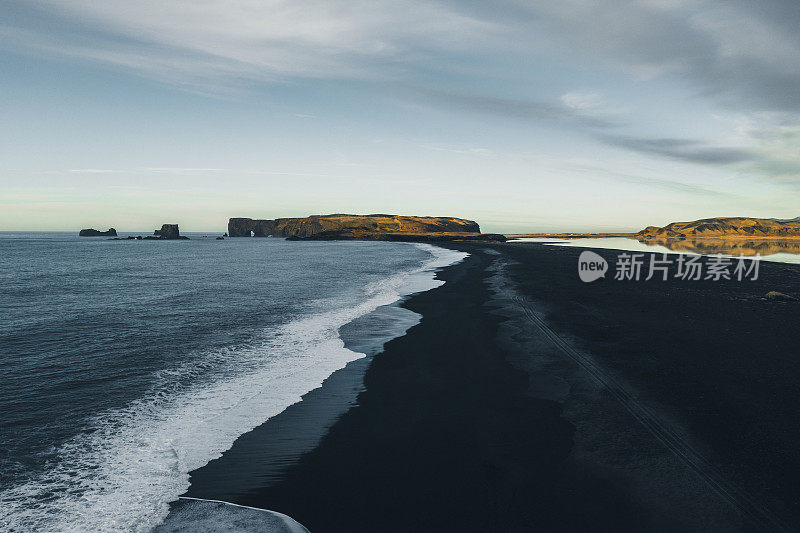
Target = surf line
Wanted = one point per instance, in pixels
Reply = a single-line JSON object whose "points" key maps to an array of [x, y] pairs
{"points": [[290, 522]]}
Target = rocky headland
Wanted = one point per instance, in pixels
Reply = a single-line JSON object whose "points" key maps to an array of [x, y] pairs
{"points": [[362, 227], [723, 235], [724, 228]]}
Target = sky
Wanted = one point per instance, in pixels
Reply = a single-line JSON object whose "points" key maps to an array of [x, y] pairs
{"points": [[526, 116]]}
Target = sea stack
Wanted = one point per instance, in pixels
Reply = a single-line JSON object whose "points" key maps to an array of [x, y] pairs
{"points": [[91, 232], [168, 231]]}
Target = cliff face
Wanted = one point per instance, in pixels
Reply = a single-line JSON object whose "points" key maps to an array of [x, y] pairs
{"points": [[715, 228], [241, 227], [111, 232], [352, 226]]}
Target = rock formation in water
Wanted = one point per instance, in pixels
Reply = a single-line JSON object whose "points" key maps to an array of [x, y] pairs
{"points": [[90, 232], [378, 227], [168, 231]]}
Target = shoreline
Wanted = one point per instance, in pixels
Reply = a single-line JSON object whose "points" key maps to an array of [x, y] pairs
{"points": [[473, 419], [259, 456], [421, 413]]}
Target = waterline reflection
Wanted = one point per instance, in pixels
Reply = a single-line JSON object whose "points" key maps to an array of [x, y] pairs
{"points": [[781, 251]]}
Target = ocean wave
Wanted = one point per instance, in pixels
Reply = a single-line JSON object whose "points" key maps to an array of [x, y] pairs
{"points": [[122, 472], [195, 514]]}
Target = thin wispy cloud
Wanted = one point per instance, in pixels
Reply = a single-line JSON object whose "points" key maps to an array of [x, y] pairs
{"points": [[214, 41], [91, 171], [671, 185], [583, 100], [520, 109], [607, 171], [186, 170], [579, 111], [688, 150], [471, 150], [742, 51]]}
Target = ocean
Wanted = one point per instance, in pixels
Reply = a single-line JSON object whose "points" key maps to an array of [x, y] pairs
{"points": [[128, 364]]}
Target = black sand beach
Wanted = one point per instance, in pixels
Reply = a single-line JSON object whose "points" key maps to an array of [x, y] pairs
{"points": [[528, 400]]}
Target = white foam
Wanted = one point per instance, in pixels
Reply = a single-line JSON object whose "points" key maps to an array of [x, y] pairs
{"points": [[196, 514], [123, 475]]}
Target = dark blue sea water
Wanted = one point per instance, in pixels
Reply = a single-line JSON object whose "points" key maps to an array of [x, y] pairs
{"points": [[127, 364]]}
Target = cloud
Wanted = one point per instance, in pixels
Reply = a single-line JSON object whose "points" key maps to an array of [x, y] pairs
{"points": [[740, 51], [471, 150], [582, 100], [736, 51], [93, 171], [670, 185], [194, 41], [519, 109], [579, 111], [776, 138], [174, 171], [610, 170], [688, 150]]}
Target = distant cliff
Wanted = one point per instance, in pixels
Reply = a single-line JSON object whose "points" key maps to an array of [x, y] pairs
{"points": [[339, 226], [715, 228], [111, 232], [727, 228]]}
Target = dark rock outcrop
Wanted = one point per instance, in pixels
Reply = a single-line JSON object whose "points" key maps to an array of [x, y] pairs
{"points": [[403, 237], [779, 297], [247, 227], [95, 233], [158, 235], [341, 226], [168, 231]]}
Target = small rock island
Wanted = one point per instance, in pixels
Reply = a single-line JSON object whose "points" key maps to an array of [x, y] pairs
{"points": [[167, 232], [91, 232]]}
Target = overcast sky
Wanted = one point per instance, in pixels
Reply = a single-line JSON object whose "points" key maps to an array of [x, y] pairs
{"points": [[523, 115]]}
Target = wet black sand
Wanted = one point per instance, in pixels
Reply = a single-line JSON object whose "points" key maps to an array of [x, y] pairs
{"points": [[474, 421], [717, 361]]}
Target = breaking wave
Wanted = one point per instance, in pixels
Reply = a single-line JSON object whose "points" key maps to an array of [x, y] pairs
{"points": [[123, 471]]}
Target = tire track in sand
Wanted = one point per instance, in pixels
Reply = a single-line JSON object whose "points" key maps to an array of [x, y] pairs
{"points": [[751, 510]]}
